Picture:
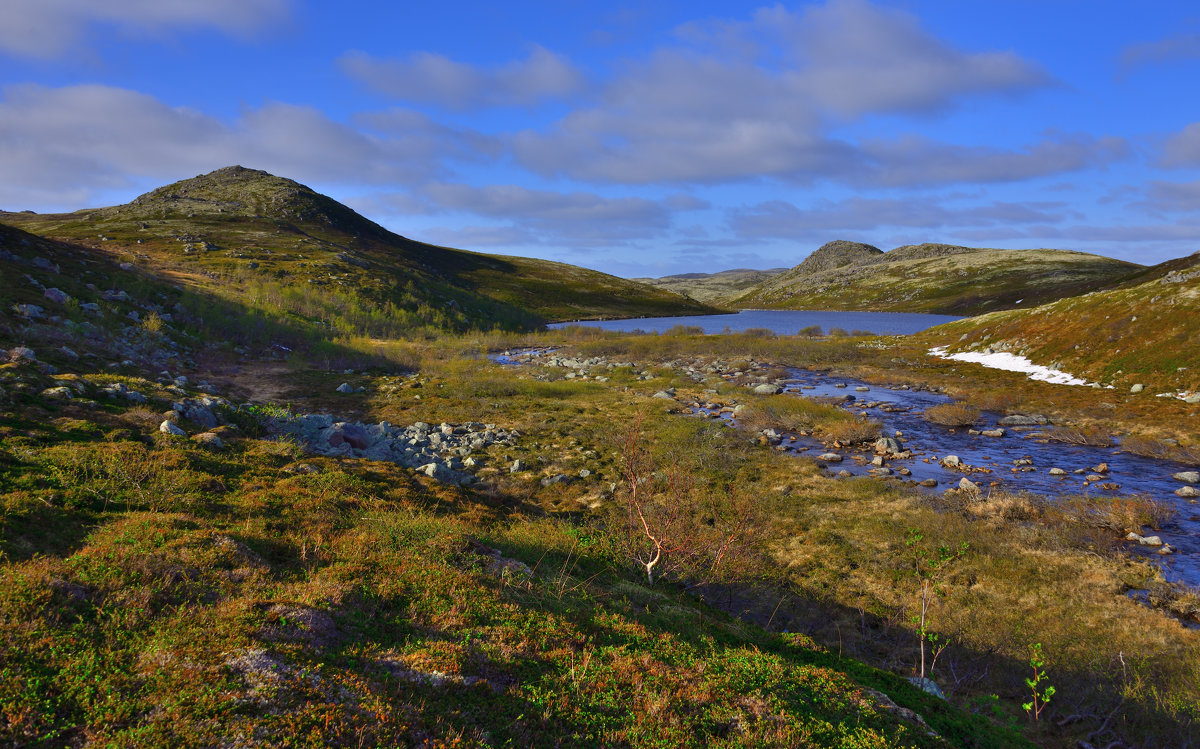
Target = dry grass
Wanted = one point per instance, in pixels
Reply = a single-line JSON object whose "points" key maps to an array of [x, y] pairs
{"points": [[1088, 435], [788, 413], [850, 431], [1121, 514], [952, 414], [1148, 447]]}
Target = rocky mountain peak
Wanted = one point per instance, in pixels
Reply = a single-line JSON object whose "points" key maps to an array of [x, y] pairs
{"points": [[837, 254], [253, 193]]}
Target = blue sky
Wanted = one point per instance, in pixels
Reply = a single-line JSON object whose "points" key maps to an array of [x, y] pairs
{"points": [[639, 139]]}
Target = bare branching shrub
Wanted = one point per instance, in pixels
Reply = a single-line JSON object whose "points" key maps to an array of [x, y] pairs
{"points": [[1092, 436], [952, 414], [851, 431], [673, 526]]}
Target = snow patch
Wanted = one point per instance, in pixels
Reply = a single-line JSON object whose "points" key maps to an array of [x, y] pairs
{"points": [[1012, 363]]}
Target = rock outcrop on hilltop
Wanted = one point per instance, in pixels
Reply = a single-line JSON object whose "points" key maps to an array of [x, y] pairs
{"points": [[837, 254]]}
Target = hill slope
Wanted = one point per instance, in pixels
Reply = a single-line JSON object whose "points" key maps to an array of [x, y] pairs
{"points": [[712, 287], [931, 278], [248, 233], [157, 590], [1142, 331]]}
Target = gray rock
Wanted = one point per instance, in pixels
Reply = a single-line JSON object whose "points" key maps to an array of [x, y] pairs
{"points": [[967, 485], [1188, 477], [888, 445], [862, 389], [1187, 491], [1021, 420], [57, 296], [58, 393], [992, 432], [767, 389], [170, 429], [1137, 388], [200, 416], [830, 457], [31, 311], [517, 466], [927, 685], [1193, 398], [953, 461], [345, 388], [663, 395], [208, 439], [21, 353], [1057, 472]]}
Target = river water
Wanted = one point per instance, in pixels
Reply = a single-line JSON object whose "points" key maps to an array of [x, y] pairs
{"points": [[900, 410], [782, 322]]}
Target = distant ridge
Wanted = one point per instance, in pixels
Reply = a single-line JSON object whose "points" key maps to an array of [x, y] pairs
{"points": [[941, 278]]}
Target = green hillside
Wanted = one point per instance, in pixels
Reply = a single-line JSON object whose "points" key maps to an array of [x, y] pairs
{"points": [[935, 278], [248, 235], [1143, 330]]}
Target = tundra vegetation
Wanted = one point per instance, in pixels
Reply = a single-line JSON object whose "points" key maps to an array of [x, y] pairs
{"points": [[620, 572]]}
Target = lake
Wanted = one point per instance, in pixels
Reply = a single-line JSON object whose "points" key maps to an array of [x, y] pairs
{"points": [[782, 322]]}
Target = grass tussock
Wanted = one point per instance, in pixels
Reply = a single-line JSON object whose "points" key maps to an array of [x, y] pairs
{"points": [[852, 431], [1084, 435], [1149, 447], [791, 414], [953, 414]]}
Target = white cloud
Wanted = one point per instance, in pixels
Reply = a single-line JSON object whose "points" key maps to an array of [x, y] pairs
{"points": [[763, 98], [1167, 49], [1172, 197], [47, 28], [914, 160], [431, 78], [778, 219], [1183, 148], [61, 141], [854, 57]]}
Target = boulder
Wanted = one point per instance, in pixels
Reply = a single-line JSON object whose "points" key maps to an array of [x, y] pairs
{"points": [[57, 296], [888, 445], [1187, 491], [517, 466], [1021, 420], [1188, 477], [952, 461], [1137, 388], [1193, 398], [345, 388], [768, 389], [208, 439], [58, 394], [353, 435], [862, 389], [663, 395], [967, 485], [992, 432], [20, 354], [1057, 472], [830, 457], [171, 430]]}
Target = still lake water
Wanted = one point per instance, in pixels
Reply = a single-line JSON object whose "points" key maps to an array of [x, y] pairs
{"points": [[782, 322]]}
